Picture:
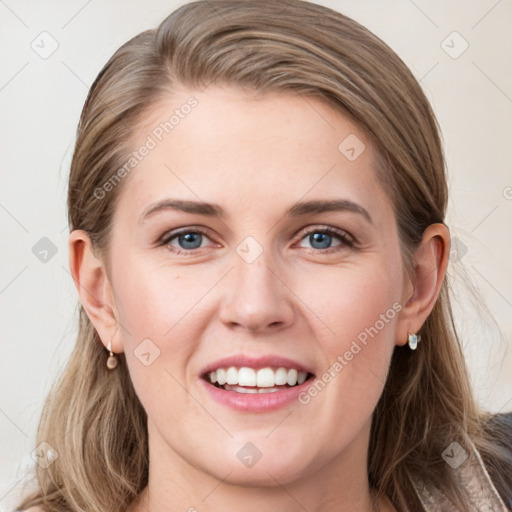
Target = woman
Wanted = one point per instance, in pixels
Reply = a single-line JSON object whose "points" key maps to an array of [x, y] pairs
{"points": [[258, 242]]}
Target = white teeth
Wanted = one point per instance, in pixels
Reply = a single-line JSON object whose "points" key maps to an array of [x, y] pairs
{"points": [[232, 375], [292, 377], [246, 377], [263, 378], [253, 390], [221, 376], [281, 376], [245, 390], [268, 390]]}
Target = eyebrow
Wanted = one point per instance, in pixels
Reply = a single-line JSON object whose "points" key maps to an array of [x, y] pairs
{"points": [[214, 210]]}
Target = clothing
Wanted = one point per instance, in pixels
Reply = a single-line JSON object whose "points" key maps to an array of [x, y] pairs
{"points": [[472, 475]]}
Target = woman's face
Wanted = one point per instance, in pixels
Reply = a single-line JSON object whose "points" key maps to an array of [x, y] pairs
{"points": [[256, 277]]}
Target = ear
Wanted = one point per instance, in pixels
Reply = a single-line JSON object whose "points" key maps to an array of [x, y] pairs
{"points": [[94, 289], [422, 288]]}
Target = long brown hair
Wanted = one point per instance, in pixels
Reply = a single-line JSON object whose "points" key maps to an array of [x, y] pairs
{"points": [[92, 418]]}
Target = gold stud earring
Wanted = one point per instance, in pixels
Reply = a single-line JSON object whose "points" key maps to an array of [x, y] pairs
{"points": [[413, 341], [112, 360]]}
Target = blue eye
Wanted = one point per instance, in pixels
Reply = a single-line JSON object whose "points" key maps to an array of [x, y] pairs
{"points": [[190, 240], [187, 240], [321, 240]]}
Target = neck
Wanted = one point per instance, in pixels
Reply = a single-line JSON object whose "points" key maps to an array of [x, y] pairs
{"points": [[339, 485]]}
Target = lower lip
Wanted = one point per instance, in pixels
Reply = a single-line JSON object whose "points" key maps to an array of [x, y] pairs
{"points": [[256, 402]]}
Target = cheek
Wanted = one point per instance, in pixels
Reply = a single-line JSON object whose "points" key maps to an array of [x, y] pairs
{"points": [[350, 300], [357, 310], [160, 312], [154, 299]]}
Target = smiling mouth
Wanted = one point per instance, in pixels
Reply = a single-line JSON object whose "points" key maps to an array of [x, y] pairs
{"points": [[250, 380]]}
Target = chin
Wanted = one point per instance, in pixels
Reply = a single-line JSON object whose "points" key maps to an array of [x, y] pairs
{"points": [[247, 466], [262, 474]]}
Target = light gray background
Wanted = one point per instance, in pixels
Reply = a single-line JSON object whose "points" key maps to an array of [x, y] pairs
{"points": [[40, 102]]}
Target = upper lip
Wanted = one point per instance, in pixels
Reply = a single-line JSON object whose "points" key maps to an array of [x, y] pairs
{"points": [[269, 360]]}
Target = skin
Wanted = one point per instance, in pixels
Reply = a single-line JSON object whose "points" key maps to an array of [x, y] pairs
{"points": [[256, 158]]}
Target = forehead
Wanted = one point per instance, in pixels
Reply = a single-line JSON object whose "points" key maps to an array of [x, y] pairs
{"points": [[225, 145]]}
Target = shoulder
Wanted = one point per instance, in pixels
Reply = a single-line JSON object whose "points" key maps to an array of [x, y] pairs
{"points": [[501, 423], [506, 418], [498, 460]]}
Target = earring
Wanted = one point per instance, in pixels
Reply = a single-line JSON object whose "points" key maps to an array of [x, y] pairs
{"points": [[413, 341], [112, 360]]}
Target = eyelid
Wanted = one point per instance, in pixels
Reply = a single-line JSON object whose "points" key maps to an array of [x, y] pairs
{"points": [[345, 238], [173, 233], [331, 230]]}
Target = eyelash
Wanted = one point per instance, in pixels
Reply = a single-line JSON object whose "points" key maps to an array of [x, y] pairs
{"points": [[345, 239]]}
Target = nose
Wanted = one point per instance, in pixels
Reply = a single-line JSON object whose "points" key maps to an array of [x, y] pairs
{"points": [[257, 297]]}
